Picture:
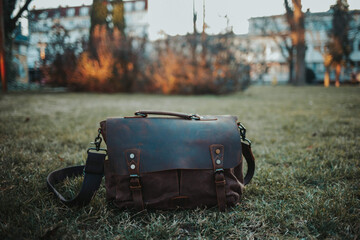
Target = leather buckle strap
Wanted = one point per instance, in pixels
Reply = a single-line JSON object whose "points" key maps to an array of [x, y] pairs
{"points": [[133, 163], [135, 183], [221, 182], [136, 192], [217, 157]]}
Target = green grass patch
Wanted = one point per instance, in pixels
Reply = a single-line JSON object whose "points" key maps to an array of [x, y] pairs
{"points": [[305, 140]]}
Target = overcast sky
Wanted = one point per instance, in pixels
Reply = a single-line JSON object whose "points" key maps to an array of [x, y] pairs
{"points": [[175, 16]]}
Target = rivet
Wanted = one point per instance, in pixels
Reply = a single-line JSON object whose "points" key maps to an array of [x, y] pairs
{"points": [[218, 161], [132, 156], [217, 151], [132, 166]]}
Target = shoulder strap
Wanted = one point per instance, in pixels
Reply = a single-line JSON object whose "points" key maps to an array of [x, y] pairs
{"points": [[250, 160], [93, 172]]}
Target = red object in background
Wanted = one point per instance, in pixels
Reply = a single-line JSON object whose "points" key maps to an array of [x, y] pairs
{"points": [[2, 49]]}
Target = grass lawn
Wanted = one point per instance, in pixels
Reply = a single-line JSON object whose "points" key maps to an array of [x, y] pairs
{"points": [[306, 185]]}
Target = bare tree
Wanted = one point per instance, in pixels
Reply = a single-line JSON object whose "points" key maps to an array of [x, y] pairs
{"points": [[339, 45], [256, 56], [270, 27], [60, 59], [296, 20], [319, 34]]}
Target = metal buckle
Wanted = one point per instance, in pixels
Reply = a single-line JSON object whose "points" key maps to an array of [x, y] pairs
{"points": [[97, 143], [95, 149], [98, 140], [194, 117], [140, 114], [242, 130], [243, 133]]}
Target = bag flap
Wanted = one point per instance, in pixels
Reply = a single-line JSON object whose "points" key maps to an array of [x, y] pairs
{"points": [[171, 143]]}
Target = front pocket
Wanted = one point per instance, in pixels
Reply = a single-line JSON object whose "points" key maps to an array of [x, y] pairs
{"points": [[158, 188], [199, 186], [184, 188], [123, 197]]}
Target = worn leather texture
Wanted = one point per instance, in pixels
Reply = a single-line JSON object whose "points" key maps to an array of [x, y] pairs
{"points": [[171, 143], [166, 163]]}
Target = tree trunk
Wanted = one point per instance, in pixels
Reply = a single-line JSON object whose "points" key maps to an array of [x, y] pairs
{"points": [[299, 41], [291, 72], [300, 64], [290, 61], [337, 75], [327, 77]]}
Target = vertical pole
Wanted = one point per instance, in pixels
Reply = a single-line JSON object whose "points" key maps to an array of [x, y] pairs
{"points": [[204, 24], [203, 37], [194, 18], [2, 49]]}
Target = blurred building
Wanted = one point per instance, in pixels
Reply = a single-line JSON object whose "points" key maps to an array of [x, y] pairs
{"points": [[268, 39], [44, 23], [19, 48]]}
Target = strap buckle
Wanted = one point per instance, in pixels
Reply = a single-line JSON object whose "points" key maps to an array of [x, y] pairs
{"points": [[95, 149], [141, 114], [242, 130], [194, 117], [97, 143]]}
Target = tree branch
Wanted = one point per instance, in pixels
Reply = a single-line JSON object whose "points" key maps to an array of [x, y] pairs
{"points": [[18, 15], [275, 34]]}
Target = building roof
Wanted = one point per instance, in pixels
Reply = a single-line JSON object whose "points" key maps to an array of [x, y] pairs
{"points": [[52, 12], [63, 11], [308, 13]]}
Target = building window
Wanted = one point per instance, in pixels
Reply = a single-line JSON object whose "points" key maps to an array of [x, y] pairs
{"points": [[43, 15], [84, 11], [128, 6], [57, 14], [70, 12], [139, 6]]}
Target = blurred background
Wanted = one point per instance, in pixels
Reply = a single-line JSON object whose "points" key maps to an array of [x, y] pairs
{"points": [[177, 47], [158, 55]]}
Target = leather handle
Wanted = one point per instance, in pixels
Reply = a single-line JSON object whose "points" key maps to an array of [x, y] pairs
{"points": [[250, 160], [175, 114]]}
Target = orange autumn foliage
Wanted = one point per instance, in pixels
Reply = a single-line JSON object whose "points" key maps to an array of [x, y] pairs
{"points": [[179, 69], [175, 65], [103, 70]]}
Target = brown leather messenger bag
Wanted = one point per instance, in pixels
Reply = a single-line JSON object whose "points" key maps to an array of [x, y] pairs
{"points": [[181, 160]]}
